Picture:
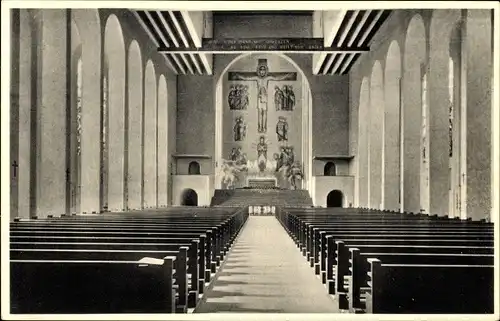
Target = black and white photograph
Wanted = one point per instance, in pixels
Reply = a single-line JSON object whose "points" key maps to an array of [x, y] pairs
{"points": [[248, 160]]}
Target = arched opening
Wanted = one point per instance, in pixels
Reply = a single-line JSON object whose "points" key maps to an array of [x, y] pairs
{"points": [[363, 177], [445, 41], [335, 199], [392, 129], [134, 175], [194, 168], [150, 106], [375, 134], [74, 128], [162, 164], [189, 197], [330, 169], [114, 49], [89, 28], [414, 58]]}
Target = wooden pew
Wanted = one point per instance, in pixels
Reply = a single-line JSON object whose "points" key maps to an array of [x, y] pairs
{"points": [[213, 244], [195, 269], [359, 266], [197, 251], [317, 237], [85, 254], [316, 245], [430, 289], [112, 237], [335, 272], [92, 286]]}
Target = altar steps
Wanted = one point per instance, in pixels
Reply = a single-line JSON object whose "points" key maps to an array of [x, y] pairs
{"points": [[272, 197]]}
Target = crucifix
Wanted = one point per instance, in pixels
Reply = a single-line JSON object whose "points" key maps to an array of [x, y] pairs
{"points": [[262, 77], [15, 165]]}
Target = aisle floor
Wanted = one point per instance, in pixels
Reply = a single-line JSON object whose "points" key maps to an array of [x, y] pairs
{"points": [[265, 272]]}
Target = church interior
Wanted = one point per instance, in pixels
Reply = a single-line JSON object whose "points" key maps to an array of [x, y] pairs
{"points": [[307, 161]]}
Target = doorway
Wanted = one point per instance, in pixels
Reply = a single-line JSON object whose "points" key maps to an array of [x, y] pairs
{"points": [[189, 198], [334, 199]]}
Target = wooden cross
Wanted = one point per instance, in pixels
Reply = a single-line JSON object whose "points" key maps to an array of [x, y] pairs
{"points": [[15, 165]]}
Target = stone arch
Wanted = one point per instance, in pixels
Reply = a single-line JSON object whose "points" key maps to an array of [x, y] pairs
{"points": [[376, 134], [392, 131], [363, 177], [330, 169], [150, 106], [414, 57], [189, 197], [162, 142], [306, 119], [335, 199], [114, 51], [88, 24], [135, 80]]}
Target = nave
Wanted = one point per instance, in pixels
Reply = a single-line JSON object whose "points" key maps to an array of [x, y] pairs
{"points": [[264, 273], [152, 173], [223, 260]]}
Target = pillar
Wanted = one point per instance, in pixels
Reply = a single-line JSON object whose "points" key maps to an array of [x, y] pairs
{"points": [[51, 114], [476, 78]]}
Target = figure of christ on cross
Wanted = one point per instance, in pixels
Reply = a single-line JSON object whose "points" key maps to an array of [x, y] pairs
{"points": [[262, 77]]}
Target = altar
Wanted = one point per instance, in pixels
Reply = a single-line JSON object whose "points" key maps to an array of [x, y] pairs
{"points": [[261, 182]]}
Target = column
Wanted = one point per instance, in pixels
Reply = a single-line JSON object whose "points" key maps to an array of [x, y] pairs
{"points": [[14, 106], [477, 57], [51, 114], [376, 136]]}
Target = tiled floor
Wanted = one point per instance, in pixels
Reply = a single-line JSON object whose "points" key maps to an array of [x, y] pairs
{"points": [[265, 272]]}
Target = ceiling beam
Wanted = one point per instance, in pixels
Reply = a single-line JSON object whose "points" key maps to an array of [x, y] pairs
{"points": [[181, 67], [191, 29], [348, 27], [196, 40], [347, 63], [187, 63], [196, 64], [338, 63], [329, 37], [370, 27], [167, 27], [153, 39], [179, 29], [156, 28], [329, 63], [358, 28]]}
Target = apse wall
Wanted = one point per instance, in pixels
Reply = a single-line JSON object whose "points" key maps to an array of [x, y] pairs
{"points": [[196, 109], [240, 108]]}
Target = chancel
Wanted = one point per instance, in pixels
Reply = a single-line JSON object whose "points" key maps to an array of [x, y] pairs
{"points": [[165, 160]]}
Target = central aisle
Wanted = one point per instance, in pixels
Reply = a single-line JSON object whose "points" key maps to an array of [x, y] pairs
{"points": [[265, 272]]}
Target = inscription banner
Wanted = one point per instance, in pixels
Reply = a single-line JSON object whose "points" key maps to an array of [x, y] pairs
{"points": [[265, 44]]}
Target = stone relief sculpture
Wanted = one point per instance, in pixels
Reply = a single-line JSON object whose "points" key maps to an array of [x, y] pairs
{"points": [[284, 98], [239, 129], [282, 129], [288, 98], [238, 97]]}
